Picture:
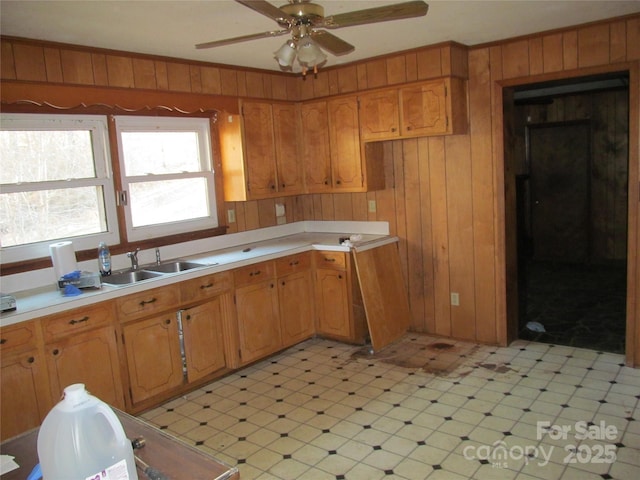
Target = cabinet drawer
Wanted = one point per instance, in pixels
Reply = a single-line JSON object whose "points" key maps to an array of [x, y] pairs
{"points": [[148, 302], [252, 274], [335, 260], [205, 287], [293, 263], [20, 336], [78, 320]]}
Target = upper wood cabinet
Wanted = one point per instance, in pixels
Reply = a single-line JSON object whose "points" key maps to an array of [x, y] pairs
{"points": [[379, 114], [333, 155], [260, 151], [316, 155], [435, 107]]}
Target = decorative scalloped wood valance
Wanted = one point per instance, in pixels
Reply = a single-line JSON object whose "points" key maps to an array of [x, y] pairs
{"points": [[30, 97]]}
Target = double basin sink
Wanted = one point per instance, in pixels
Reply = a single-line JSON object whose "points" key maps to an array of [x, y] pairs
{"points": [[148, 272]]}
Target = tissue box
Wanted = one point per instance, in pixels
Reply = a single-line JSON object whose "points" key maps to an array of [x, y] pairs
{"points": [[84, 280]]}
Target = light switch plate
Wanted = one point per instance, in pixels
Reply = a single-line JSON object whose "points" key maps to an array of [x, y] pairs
{"points": [[231, 215], [372, 206]]}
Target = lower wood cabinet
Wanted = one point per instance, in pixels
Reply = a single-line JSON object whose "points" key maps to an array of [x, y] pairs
{"points": [[295, 298], [153, 355], [91, 358], [258, 320], [81, 347], [24, 394], [338, 311], [203, 338]]}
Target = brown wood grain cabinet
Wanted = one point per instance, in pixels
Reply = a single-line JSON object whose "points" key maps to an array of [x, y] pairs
{"points": [[339, 314], [25, 398], [429, 108], [81, 347], [256, 300], [202, 331], [260, 151], [315, 151], [153, 355], [295, 298]]}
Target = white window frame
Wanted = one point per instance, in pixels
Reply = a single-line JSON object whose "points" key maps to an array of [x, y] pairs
{"points": [[98, 126], [202, 127]]}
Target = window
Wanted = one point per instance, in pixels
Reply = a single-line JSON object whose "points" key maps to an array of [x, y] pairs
{"points": [[56, 184], [167, 175]]}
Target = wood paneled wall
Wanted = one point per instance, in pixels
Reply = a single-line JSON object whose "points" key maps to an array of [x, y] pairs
{"points": [[446, 197]]}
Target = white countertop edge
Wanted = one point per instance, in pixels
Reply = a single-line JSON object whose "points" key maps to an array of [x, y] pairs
{"points": [[47, 300]]}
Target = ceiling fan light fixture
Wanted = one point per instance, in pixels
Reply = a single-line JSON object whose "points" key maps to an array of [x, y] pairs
{"points": [[309, 54], [286, 54]]}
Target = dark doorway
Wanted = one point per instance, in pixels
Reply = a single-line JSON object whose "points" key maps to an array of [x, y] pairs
{"points": [[571, 195], [560, 166]]}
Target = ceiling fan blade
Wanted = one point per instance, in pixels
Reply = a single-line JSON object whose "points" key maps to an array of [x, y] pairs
{"points": [[378, 14], [331, 43], [243, 38], [267, 9]]}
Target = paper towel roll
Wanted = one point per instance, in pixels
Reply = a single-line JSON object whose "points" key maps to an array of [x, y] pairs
{"points": [[63, 257]]}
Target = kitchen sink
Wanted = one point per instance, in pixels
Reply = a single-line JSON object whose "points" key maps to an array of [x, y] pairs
{"points": [[173, 267], [129, 277]]}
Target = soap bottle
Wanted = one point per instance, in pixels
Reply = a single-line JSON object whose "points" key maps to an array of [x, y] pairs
{"points": [[104, 259]]}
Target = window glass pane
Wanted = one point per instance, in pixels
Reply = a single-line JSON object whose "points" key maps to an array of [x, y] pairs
{"points": [[168, 201], [160, 152], [35, 216], [37, 156]]}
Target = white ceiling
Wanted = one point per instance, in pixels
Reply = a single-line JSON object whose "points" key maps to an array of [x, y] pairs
{"points": [[172, 27]]}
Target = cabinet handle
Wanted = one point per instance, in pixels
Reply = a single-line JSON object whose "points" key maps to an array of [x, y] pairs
{"points": [[147, 302], [409, 128], [188, 317], [291, 264], [338, 182], [272, 285], [273, 187], [393, 129], [3, 341], [167, 321], [326, 182], [56, 351], [283, 185], [208, 285], [257, 272], [327, 259], [283, 283], [340, 277], [31, 360], [83, 319]]}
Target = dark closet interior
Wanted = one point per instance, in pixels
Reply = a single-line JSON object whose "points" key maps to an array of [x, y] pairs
{"points": [[571, 195]]}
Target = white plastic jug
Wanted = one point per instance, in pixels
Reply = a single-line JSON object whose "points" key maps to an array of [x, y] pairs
{"points": [[81, 438]]}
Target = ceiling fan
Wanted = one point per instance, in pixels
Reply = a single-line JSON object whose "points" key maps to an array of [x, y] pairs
{"points": [[306, 23]]}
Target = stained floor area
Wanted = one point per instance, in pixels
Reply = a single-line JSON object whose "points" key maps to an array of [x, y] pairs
{"points": [[423, 408], [578, 305]]}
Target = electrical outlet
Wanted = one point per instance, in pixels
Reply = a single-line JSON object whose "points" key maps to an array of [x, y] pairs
{"points": [[231, 215], [455, 299], [372, 206]]}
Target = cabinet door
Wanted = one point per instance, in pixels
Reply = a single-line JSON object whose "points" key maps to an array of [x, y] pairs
{"points": [[90, 358], [203, 339], [24, 394], [316, 156], [153, 356], [379, 115], [287, 140], [295, 298], [344, 140], [333, 303], [424, 109], [258, 322], [260, 151]]}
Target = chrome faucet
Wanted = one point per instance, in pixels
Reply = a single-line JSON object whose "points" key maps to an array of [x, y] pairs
{"points": [[134, 258], [158, 261]]}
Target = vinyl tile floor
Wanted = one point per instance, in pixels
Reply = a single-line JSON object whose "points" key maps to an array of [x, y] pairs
{"points": [[423, 408]]}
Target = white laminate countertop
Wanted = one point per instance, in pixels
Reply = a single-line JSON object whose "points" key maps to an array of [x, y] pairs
{"points": [[49, 299]]}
